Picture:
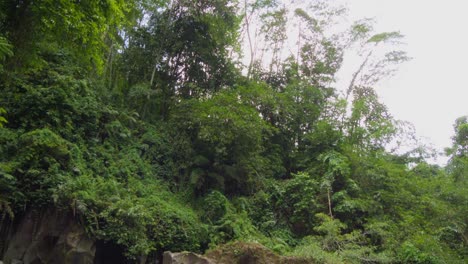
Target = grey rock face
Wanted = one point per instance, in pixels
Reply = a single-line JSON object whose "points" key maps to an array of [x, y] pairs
{"points": [[51, 237]]}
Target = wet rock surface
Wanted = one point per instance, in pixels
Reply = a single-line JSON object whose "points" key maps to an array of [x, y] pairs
{"points": [[50, 237]]}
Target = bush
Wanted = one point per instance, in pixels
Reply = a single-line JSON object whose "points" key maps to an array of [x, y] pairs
{"points": [[140, 215]]}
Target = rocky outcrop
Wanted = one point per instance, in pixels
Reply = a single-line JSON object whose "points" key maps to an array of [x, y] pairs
{"points": [[185, 258], [49, 237], [55, 237], [250, 253], [233, 253]]}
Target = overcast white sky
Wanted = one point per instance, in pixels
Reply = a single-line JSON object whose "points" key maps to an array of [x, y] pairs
{"points": [[430, 91]]}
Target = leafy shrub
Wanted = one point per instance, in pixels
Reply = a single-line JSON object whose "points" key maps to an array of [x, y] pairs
{"points": [[409, 253], [141, 215], [215, 207]]}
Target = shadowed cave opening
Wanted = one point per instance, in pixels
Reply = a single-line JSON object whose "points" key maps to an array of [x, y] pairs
{"points": [[109, 253]]}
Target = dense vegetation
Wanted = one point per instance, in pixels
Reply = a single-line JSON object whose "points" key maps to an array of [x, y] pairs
{"points": [[182, 125]]}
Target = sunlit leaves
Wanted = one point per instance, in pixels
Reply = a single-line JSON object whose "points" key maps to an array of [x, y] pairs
{"points": [[2, 118], [79, 28], [386, 37], [6, 49], [361, 29]]}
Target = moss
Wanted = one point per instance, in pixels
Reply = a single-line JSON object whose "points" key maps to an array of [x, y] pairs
{"points": [[250, 253]]}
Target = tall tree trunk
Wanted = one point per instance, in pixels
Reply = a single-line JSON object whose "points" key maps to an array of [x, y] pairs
{"points": [[330, 212]]}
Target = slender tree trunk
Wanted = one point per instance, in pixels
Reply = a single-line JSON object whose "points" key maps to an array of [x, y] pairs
{"points": [[109, 59], [329, 203], [247, 25], [298, 48], [355, 75], [351, 86], [154, 72]]}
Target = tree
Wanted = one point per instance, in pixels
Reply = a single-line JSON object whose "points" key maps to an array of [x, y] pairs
{"points": [[370, 126], [190, 61], [253, 13], [79, 28], [458, 163], [376, 64], [319, 53], [227, 137]]}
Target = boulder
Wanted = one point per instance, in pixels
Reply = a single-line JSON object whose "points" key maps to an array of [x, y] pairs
{"points": [[233, 253], [185, 258], [249, 253]]}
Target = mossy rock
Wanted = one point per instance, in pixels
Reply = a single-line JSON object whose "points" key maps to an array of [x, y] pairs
{"points": [[249, 253]]}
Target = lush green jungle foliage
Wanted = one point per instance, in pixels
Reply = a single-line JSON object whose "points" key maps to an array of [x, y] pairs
{"points": [[181, 125]]}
